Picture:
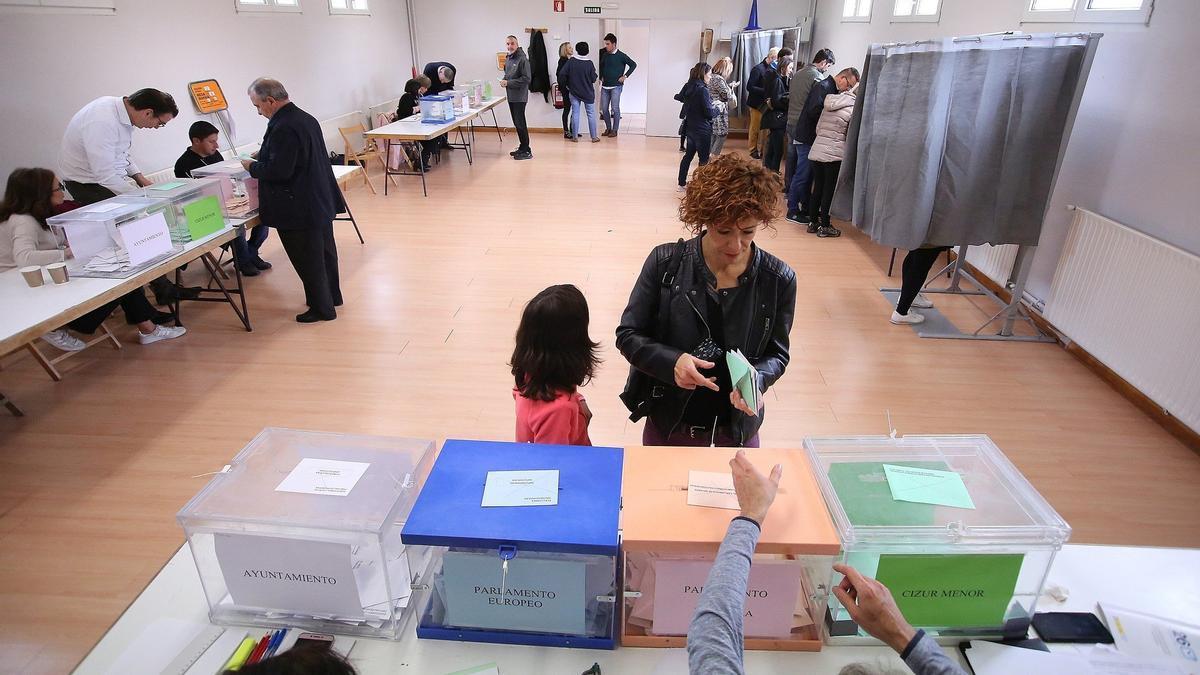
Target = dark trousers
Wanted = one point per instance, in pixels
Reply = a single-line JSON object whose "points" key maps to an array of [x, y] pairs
{"points": [[801, 184], [698, 141], [693, 437], [774, 154], [566, 112], [245, 249], [88, 193], [313, 253], [789, 161], [137, 309], [518, 117], [914, 271], [824, 180]]}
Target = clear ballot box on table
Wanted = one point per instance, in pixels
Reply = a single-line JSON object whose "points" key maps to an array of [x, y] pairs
{"points": [[303, 528], [115, 238], [436, 109], [239, 190], [195, 205], [947, 523], [525, 544], [669, 547]]}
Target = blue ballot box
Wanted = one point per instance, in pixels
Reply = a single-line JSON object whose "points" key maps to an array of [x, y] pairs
{"points": [[523, 544]]}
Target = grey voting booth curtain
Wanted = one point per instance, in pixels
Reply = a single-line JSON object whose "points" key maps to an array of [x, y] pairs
{"points": [[751, 47], [957, 141]]}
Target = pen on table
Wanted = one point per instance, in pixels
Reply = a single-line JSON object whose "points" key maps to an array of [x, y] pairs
{"points": [[259, 649], [273, 646], [240, 654]]}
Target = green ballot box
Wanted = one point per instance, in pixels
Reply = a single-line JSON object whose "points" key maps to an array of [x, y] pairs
{"points": [[947, 523]]}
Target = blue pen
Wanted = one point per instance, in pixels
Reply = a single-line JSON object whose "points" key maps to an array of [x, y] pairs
{"points": [[276, 640]]}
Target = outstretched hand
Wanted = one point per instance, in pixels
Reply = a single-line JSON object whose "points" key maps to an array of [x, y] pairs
{"points": [[871, 606], [755, 492]]}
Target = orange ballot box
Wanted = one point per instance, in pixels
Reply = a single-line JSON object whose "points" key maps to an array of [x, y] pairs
{"points": [[677, 504]]}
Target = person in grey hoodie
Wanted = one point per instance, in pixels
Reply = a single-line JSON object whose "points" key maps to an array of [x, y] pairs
{"points": [[516, 84], [714, 640]]}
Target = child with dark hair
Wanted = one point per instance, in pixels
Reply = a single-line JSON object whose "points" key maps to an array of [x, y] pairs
{"points": [[553, 357]]}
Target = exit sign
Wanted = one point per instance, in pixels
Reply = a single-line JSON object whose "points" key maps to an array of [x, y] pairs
{"points": [[560, 5], [591, 10]]}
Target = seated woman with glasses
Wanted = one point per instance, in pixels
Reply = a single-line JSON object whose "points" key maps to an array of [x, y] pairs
{"points": [[33, 195]]}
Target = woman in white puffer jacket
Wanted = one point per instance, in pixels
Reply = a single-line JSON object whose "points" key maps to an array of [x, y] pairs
{"points": [[825, 157]]}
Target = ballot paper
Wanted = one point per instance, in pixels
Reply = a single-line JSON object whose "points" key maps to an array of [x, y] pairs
{"points": [[927, 486], [712, 489], [111, 259], [521, 488], [744, 377], [1145, 635], [323, 477]]}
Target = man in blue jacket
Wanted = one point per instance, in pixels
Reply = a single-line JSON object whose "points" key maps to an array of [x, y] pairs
{"points": [[755, 97], [298, 195]]}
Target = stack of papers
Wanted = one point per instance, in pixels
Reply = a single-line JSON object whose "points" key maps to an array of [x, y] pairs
{"points": [[111, 259], [744, 377]]}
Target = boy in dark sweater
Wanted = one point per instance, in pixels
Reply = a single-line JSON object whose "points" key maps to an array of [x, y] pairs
{"points": [[615, 68]]}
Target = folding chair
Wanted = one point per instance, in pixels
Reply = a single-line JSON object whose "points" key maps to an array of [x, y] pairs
{"points": [[368, 150]]}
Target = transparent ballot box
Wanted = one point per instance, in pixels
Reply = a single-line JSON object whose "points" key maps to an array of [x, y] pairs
{"points": [[669, 546], [195, 205], [115, 238], [475, 93], [437, 109], [459, 100], [239, 190], [947, 523], [302, 530], [524, 544]]}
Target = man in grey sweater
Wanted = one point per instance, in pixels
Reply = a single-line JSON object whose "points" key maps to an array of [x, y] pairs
{"points": [[516, 84], [802, 83], [715, 634]]}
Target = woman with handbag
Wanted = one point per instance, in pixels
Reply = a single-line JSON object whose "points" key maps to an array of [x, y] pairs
{"points": [[774, 119], [565, 51], [721, 89], [696, 300]]}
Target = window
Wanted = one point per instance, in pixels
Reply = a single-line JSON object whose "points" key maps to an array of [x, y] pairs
{"points": [[348, 7], [857, 10], [60, 6], [917, 10], [268, 5], [1088, 11]]}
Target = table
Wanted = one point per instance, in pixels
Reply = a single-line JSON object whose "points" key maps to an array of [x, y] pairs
{"points": [[412, 129], [1156, 580], [31, 312]]}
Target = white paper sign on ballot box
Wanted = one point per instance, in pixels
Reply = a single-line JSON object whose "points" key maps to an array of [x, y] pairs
{"points": [[146, 239], [292, 575]]}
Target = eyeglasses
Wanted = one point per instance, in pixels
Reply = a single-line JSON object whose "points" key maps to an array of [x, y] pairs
{"points": [[57, 188], [161, 123]]}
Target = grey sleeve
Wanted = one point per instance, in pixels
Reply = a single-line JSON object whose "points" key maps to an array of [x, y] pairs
{"points": [[924, 657], [715, 634]]}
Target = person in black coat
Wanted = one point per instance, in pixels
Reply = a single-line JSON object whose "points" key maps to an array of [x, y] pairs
{"points": [[565, 51], [698, 113], [756, 95], [441, 76], [775, 83], [414, 89], [298, 195]]}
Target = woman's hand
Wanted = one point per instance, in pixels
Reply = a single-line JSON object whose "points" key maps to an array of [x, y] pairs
{"points": [[739, 403], [688, 375]]}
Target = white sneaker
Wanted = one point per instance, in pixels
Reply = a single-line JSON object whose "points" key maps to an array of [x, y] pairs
{"points": [[922, 302], [63, 340], [911, 317], [161, 333]]}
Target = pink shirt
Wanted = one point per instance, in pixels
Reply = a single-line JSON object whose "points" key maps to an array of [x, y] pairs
{"points": [[562, 421]]}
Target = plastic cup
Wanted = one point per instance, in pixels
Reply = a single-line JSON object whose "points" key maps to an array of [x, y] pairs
{"points": [[33, 276], [58, 272]]}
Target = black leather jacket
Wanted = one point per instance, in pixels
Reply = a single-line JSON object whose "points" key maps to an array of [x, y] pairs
{"points": [[757, 320]]}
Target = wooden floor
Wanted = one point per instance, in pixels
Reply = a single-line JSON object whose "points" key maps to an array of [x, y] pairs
{"points": [[91, 479]]}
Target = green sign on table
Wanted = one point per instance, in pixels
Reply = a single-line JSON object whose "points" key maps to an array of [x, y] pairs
{"points": [[204, 217], [954, 591]]}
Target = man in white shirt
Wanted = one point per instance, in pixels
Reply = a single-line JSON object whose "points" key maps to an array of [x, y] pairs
{"points": [[95, 158]]}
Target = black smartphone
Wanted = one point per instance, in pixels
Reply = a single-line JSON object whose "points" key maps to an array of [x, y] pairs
{"points": [[1082, 627], [314, 641]]}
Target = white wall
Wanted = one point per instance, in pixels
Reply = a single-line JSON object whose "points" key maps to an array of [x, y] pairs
{"points": [[468, 33], [1134, 153], [55, 63]]}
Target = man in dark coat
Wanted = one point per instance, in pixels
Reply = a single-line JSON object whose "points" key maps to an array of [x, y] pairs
{"points": [[441, 76], [298, 195]]}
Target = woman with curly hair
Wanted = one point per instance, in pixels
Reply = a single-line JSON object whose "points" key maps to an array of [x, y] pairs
{"points": [[697, 299]]}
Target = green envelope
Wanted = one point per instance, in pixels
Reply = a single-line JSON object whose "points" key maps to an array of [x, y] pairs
{"points": [[744, 377]]}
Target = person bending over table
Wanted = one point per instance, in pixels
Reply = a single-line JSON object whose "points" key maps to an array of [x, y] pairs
{"points": [[695, 300], [25, 240], [298, 195], [714, 639], [202, 152], [441, 78]]}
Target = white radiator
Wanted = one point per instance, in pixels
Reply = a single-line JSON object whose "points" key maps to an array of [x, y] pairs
{"points": [[994, 261], [1133, 302]]}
